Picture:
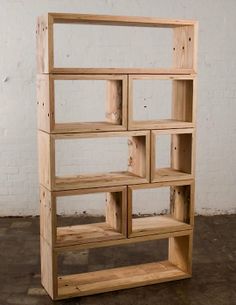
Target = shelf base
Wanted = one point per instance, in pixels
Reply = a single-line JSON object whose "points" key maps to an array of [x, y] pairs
{"points": [[118, 278], [87, 233], [157, 224]]}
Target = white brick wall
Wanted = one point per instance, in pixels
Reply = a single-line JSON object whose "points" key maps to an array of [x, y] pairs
{"points": [[216, 138]]}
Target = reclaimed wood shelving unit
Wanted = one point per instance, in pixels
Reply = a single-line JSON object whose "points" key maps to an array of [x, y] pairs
{"points": [[142, 172]]}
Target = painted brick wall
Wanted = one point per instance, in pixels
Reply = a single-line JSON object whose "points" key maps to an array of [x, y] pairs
{"points": [[216, 137]]}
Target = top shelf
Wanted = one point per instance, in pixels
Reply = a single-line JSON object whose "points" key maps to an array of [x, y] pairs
{"points": [[118, 20], [182, 51]]}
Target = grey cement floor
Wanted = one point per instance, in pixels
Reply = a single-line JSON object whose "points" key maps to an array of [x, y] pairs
{"points": [[214, 267]]}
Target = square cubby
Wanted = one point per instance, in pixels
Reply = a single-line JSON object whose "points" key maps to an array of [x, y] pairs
{"points": [[159, 208], [161, 101], [172, 154], [77, 217], [81, 103]]}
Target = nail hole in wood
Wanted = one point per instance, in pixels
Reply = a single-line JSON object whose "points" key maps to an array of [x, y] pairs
{"points": [[189, 39], [43, 104], [183, 48], [175, 148], [174, 49], [48, 114]]}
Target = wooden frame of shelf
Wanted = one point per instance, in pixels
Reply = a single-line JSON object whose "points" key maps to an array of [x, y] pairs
{"points": [[181, 208], [113, 228], [178, 266], [115, 112], [137, 168], [183, 103], [182, 154], [119, 187], [184, 43]]}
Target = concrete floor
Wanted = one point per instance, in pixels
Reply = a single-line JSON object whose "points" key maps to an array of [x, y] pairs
{"points": [[214, 267]]}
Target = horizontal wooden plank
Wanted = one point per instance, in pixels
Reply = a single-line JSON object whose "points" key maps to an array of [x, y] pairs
{"points": [[161, 184], [124, 241], [159, 124], [170, 174], [160, 77], [161, 71], [81, 234], [173, 131], [87, 127], [118, 278], [97, 180], [156, 224], [119, 20], [100, 134]]}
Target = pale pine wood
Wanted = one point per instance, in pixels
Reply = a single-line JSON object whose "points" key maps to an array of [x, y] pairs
{"points": [[118, 278], [177, 227], [182, 155], [114, 228], [126, 71], [116, 104], [183, 103], [180, 252], [86, 233], [184, 45], [122, 241], [184, 50], [118, 20], [46, 156], [45, 103], [48, 268], [157, 224], [47, 216], [181, 210], [137, 170], [44, 35]]}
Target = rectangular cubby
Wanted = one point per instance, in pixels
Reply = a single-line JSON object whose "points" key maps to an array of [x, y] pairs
{"points": [[181, 47], [64, 101], [136, 169], [174, 264], [113, 200], [174, 207], [161, 101], [181, 152]]}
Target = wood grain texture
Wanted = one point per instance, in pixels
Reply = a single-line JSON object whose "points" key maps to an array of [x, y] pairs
{"points": [[181, 206], [119, 20], [48, 268], [182, 165], [119, 227], [86, 233], [118, 278]]}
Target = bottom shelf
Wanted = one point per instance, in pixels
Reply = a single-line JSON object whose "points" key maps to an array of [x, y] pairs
{"points": [[118, 278]]}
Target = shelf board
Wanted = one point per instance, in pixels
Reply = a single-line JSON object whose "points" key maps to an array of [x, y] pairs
{"points": [[163, 71], [86, 233], [160, 124], [118, 278], [97, 180], [86, 127], [157, 224], [170, 174]]}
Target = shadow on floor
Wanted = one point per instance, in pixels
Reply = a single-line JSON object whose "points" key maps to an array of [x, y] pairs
{"points": [[214, 267]]}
